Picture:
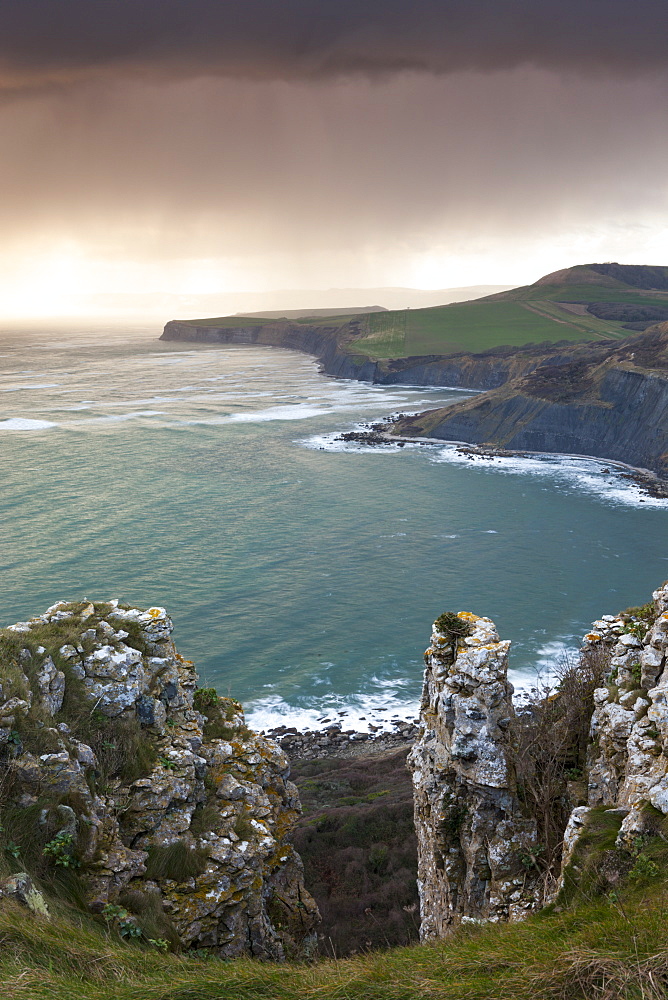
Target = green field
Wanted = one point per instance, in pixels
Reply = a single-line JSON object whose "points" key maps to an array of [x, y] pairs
{"points": [[476, 326], [232, 322], [531, 314], [526, 315]]}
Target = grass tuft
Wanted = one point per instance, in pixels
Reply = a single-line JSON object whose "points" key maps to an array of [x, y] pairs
{"points": [[175, 861]]}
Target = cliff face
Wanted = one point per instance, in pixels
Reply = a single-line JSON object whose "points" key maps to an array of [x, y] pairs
{"points": [[152, 793], [324, 342], [613, 405], [472, 834], [477, 840], [628, 765], [335, 350]]}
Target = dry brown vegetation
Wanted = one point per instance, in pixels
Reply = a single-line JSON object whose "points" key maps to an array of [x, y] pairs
{"points": [[358, 845]]}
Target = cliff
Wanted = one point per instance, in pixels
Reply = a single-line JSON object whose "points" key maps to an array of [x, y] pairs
{"points": [[161, 810], [563, 800], [335, 349], [607, 402], [470, 826]]}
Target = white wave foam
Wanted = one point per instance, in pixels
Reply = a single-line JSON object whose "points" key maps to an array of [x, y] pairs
{"points": [[550, 658], [585, 474], [32, 385], [264, 416], [121, 417], [377, 708], [332, 442], [25, 424]]}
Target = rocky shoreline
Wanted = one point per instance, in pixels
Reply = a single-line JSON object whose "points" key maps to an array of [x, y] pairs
{"points": [[334, 741], [380, 434]]}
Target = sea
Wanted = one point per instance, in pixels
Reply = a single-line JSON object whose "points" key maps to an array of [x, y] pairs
{"points": [[302, 572]]}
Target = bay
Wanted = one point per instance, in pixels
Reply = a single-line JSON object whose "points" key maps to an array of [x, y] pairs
{"points": [[302, 573]]}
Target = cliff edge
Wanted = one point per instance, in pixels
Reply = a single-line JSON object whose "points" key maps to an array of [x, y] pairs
{"points": [[562, 800], [608, 402], [127, 787]]}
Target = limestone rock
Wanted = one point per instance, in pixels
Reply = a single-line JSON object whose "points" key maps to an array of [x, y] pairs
{"points": [[629, 758], [21, 889], [628, 755], [472, 835], [205, 826]]}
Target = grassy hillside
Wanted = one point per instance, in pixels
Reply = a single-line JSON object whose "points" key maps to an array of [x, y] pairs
{"points": [[585, 303], [358, 844], [554, 308]]}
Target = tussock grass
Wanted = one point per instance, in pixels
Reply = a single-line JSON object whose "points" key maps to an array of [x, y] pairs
{"points": [[123, 749], [175, 861], [603, 949]]}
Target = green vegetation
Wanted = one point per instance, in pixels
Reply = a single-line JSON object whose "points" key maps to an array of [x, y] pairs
{"points": [[176, 861], [613, 946], [477, 326], [533, 314], [384, 335], [224, 717], [450, 624], [122, 747], [527, 315]]}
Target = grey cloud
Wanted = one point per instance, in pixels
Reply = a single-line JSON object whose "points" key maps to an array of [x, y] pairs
{"points": [[46, 40]]}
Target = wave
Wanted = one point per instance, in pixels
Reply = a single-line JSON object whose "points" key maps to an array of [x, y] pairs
{"points": [[549, 659], [582, 473], [332, 442], [25, 424], [32, 385], [385, 705], [120, 417], [357, 712]]}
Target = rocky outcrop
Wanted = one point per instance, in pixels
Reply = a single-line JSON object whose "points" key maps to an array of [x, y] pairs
{"points": [[151, 791], [628, 759], [478, 844], [472, 835], [610, 403]]}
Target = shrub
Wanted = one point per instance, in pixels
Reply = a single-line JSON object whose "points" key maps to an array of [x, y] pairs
{"points": [[61, 850], [451, 625], [205, 698], [549, 742], [360, 857]]}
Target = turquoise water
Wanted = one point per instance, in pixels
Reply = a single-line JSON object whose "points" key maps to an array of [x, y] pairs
{"points": [[302, 574]]}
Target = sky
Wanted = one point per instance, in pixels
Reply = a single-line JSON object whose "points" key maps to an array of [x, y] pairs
{"points": [[157, 148]]}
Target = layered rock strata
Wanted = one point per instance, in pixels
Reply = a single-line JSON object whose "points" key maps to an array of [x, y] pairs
{"points": [[200, 830], [609, 401], [472, 834], [334, 347]]}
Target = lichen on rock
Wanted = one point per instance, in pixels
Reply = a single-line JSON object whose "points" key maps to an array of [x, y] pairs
{"points": [[147, 792], [472, 833], [628, 759]]}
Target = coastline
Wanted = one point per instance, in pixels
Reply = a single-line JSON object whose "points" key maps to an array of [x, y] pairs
{"points": [[333, 741], [476, 373], [378, 434]]}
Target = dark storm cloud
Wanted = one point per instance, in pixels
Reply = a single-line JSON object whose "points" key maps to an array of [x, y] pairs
{"points": [[42, 40]]}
